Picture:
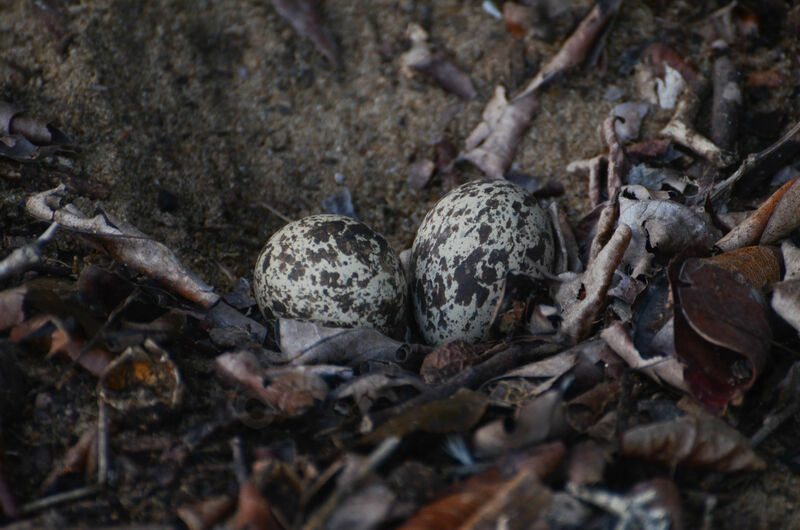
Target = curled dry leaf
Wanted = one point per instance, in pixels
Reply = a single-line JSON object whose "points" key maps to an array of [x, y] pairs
{"points": [[288, 392], [541, 418], [367, 389], [434, 65], [306, 19], [722, 332], [308, 343], [631, 115], [774, 220], [588, 291], [62, 340], [791, 260], [663, 369], [25, 139], [141, 378], [124, 243], [23, 258], [666, 227], [707, 443]]}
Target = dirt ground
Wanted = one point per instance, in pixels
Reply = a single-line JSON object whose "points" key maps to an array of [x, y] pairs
{"points": [[244, 123]]}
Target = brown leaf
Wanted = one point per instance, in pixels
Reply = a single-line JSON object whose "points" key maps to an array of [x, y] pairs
{"points": [[761, 265], [253, 512], [449, 359], [537, 420], [775, 219], [289, 392], [707, 443], [459, 412], [51, 334], [481, 501], [722, 332], [306, 19]]}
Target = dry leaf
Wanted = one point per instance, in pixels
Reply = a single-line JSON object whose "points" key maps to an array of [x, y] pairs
{"points": [[367, 389], [774, 220], [308, 343], [289, 393], [589, 293], [761, 266], [665, 370], [537, 420], [722, 332], [587, 463], [124, 243], [448, 360], [707, 443], [253, 512], [485, 500], [665, 226], [457, 413]]}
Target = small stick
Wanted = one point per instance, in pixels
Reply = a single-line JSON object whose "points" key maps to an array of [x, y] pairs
{"points": [[752, 160], [102, 443], [58, 498]]}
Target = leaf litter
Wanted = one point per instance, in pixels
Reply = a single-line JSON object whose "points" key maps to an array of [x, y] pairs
{"points": [[330, 418]]}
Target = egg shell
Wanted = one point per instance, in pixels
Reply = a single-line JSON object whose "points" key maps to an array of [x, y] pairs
{"points": [[463, 249], [334, 271]]}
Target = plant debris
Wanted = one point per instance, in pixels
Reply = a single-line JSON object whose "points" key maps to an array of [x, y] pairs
{"points": [[140, 383]]}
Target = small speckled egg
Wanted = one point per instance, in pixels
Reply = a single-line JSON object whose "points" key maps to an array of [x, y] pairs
{"points": [[332, 270], [464, 247]]}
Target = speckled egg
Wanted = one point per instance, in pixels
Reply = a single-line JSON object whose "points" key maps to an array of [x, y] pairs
{"points": [[464, 247], [332, 270]]}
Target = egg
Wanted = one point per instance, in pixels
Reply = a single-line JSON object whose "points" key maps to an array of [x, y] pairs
{"points": [[463, 249], [334, 271]]}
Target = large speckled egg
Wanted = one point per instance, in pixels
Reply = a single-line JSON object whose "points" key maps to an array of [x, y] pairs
{"points": [[464, 247], [332, 270]]}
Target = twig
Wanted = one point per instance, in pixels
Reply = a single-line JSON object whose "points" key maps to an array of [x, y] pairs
{"points": [[58, 498], [102, 442], [25, 257], [773, 421], [752, 160], [505, 357]]}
